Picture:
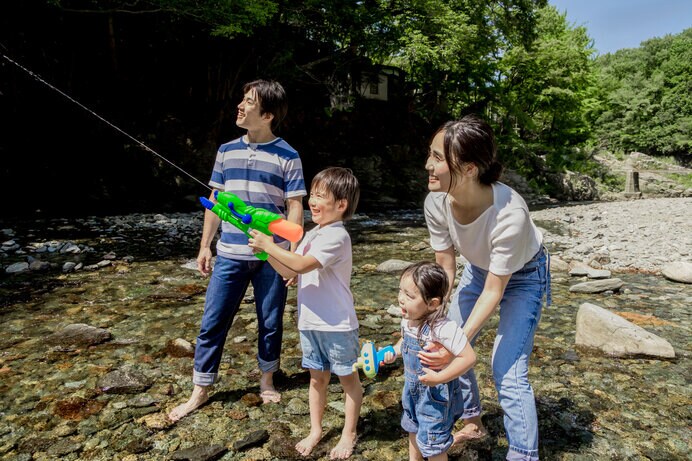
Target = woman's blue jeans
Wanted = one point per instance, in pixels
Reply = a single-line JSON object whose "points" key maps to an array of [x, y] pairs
{"points": [[520, 311], [229, 280]]}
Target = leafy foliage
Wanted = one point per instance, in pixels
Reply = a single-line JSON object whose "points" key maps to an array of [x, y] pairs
{"points": [[545, 85], [646, 97], [516, 62]]}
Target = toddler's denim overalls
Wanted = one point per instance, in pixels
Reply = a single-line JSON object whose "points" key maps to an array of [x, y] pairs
{"points": [[430, 412]]}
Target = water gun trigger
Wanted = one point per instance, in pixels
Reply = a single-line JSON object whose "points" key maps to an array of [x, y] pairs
{"points": [[244, 218]]}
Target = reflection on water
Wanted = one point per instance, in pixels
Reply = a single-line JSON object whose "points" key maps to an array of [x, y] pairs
{"points": [[591, 407]]}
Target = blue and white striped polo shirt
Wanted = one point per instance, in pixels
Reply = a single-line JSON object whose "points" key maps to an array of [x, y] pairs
{"points": [[262, 175]]}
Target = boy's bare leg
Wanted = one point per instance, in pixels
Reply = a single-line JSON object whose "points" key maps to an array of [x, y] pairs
{"points": [[268, 392], [353, 392], [473, 429], [414, 453], [317, 397], [200, 394]]}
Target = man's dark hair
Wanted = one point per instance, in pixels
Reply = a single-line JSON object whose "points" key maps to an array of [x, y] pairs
{"points": [[272, 99]]}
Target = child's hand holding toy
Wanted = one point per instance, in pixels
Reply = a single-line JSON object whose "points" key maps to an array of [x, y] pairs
{"points": [[370, 358]]}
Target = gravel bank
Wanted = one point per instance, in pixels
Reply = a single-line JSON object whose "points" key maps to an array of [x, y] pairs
{"points": [[637, 235]]}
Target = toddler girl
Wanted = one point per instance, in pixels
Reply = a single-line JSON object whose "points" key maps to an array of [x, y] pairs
{"points": [[431, 398]]}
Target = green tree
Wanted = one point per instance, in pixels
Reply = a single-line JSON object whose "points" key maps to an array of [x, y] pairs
{"points": [[646, 97], [544, 86]]}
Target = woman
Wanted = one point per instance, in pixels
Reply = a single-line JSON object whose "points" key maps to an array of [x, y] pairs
{"points": [[468, 211]]}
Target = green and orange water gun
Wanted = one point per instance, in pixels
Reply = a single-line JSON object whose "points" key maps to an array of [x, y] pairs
{"points": [[231, 209]]}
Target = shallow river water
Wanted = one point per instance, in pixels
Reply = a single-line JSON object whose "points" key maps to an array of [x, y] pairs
{"points": [[54, 405]]}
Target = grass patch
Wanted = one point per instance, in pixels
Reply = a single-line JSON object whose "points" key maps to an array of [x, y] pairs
{"points": [[684, 180]]}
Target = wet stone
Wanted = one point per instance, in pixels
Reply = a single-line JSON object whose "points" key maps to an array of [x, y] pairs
{"points": [[251, 400], [77, 409], [200, 453], [64, 447], [297, 406], [124, 381], [590, 405], [34, 444], [139, 446], [180, 348], [250, 440], [79, 334]]}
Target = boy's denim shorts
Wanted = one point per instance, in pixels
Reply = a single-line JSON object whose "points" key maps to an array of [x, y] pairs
{"points": [[334, 351]]}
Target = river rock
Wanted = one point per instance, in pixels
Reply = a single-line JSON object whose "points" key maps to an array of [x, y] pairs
{"points": [[598, 274], [156, 421], [79, 334], [69, 266], [17, 268], [597, 286], [38, 265], [251, 440], [200, 453], [393, 266], [601, 329], [678, 271], [394, 311], [578, 269], [180, 348], [124, 381], [420, 246], [297, 406], [558, 265], [63, 448]]}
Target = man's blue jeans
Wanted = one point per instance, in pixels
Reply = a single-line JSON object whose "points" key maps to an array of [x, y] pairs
{"points": [[226, 289], [520, 311]]}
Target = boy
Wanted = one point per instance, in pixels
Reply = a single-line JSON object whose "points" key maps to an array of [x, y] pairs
{"points": [[264, 171], [326, 316]]}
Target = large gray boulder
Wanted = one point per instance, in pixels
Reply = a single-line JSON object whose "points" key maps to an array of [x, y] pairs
{"points": [[601, 329], [678, 271]]}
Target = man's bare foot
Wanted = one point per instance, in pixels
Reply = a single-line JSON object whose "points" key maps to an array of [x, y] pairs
{"points": [[470, 431], [268, 393], [344, 448], [199, 397], [305, 446]]}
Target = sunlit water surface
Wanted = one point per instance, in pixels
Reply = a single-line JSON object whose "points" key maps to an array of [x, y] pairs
{"points": [[591, 406]]}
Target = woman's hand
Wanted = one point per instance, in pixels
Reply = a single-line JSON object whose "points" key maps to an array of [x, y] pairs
{"points": [[435, 356]]}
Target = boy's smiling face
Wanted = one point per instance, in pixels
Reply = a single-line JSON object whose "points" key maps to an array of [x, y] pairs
{"points": [[324, 208]]}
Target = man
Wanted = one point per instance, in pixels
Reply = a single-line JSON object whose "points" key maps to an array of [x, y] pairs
{"points": [[264, 171]]}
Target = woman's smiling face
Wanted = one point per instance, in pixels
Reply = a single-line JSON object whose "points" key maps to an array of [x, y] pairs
{"points": [[438, 169]]}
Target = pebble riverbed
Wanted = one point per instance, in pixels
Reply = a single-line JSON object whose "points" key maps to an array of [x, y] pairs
{"points": [[131, 278]]}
